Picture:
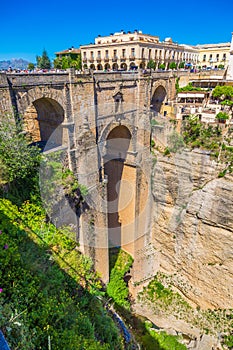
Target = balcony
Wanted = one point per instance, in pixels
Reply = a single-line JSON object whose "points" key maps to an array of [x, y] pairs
{"points": [[106, 59], [132, 57], [114, 59], [98, 59], [91, 59], [84, 59], [123, 58]]}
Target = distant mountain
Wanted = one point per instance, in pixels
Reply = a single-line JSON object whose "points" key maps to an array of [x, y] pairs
{"points": [[14, 64]]}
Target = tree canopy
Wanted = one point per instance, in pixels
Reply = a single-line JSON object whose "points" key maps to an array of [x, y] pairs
{"points": [[223, 92], [151, 64], [17, 159], [43, 62], [68, 62]]}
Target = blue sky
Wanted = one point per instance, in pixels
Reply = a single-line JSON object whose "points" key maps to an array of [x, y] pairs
{"points": [[27, 27]]}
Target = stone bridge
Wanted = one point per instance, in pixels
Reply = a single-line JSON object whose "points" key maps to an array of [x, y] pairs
{"points": [[172, 214], [102, 121]]}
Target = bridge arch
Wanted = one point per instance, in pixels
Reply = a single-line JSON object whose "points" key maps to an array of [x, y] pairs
{"points": [[112, 125], [43, 115], [118, 198], [121, 186], [159, 95]]}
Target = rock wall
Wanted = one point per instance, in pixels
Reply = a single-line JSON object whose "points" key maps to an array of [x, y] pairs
{"points": [[192, 227]]}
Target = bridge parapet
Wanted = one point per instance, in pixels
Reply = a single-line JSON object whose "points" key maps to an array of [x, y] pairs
{"points": [[35, 79]]}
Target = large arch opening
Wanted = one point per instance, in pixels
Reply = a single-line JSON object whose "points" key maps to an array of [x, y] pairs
{"points": [[158, 98], [120, 188], [42, 121]]}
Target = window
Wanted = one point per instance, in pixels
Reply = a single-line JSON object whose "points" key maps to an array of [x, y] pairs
{"points": [[99, 54], [92, 54], [217, 57], [115, 53], [210, 57], [224, 57], [106, 53], [84, 55], [123, 52], [143, 52], [204, 58], [133, 52], [149, 54]]}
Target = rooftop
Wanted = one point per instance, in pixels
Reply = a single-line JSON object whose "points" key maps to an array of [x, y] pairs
{"points": [[70, 50], [206, 46]]}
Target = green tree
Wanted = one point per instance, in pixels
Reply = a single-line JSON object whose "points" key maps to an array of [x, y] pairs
{"points": [[17, 159], [68, 62], [31, 66], [57, 63], [181, 65], [151, 64], [79, 60], [223, 93], [172, 65], [43, 62], [222, 116], [162, 66]]}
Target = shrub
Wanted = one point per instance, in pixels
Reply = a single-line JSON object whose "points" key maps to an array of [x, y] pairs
{"points": [[117, 287]]}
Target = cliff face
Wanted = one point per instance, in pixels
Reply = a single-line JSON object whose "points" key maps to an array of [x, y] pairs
{"points": [[193, 227]]}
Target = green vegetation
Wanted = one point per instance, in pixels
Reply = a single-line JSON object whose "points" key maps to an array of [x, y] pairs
{"points": [[163, 298], [188, 87], [18, 162], [212, 138], [166, 341], [222, 116], [154, 122], [43, 62], [172, 65], [223, 92], [57, 182], [197, 134], [68, 62], [48, 289], [31, 66], [49, 292], [117, 287], [17, 159], [181, 65], [162, 66], [151, 64]]}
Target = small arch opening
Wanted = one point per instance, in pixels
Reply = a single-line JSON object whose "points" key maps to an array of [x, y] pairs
{"points": [[158, 98]]}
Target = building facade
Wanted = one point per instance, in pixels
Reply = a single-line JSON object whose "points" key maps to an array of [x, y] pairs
{"points": [[126, 51], [214, 55]]}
